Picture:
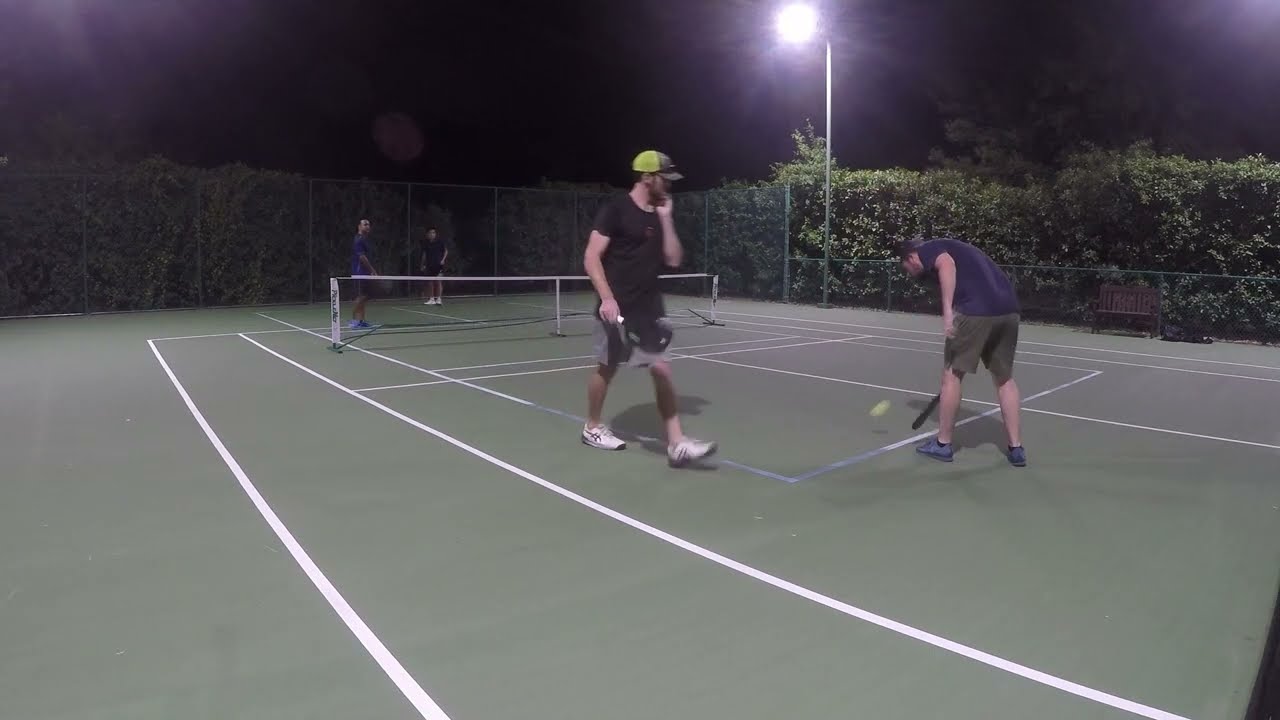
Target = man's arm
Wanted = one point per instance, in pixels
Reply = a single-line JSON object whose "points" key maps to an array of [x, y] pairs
{"points": [[592, 259], [946, 268], [672, 250]]}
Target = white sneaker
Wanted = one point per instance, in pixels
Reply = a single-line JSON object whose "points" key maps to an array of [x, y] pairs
{"points": [[601, 437], [689, 450]]}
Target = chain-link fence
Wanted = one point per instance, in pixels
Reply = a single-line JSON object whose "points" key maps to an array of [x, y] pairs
{"points": [[163, 236], [159, 235]]}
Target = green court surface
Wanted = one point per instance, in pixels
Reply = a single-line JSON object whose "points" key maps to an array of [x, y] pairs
{"points": [[210, 514]]}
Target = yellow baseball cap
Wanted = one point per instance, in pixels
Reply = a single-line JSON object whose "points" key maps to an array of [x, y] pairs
{"points": [[652, 161]]}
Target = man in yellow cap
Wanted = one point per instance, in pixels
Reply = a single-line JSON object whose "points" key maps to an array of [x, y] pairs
{"points": [[632, 240]]}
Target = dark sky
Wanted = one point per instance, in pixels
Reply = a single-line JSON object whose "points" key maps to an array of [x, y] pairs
{"points": [[507, 93]]}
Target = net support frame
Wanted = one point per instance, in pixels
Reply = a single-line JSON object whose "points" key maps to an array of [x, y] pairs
{"points": [[337, 342], [335, 316]]}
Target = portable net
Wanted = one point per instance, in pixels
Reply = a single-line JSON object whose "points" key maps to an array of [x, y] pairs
{"points": [[400, 303]]}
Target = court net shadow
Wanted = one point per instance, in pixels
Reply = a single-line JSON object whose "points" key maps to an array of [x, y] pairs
{"points": [[642, 424]]}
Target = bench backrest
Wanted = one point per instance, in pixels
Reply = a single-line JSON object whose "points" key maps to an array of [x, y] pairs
{"points": [[1122, 298]]}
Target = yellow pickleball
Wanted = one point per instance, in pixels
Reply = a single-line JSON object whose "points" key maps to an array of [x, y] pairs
{"points": [[881, 408]]}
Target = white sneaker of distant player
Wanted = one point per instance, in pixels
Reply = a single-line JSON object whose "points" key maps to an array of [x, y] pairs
{"points": [[602, 437]]}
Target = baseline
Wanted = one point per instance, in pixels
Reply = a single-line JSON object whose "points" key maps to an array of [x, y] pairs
{"points": [[412, 691]]}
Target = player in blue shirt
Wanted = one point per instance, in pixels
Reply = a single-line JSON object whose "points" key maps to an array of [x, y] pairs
{"points": [[980, 316], [361, 265]]}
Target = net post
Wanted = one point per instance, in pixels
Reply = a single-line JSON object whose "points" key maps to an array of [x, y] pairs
{"points": [[335, 317], [558, 331], [715, 295]]}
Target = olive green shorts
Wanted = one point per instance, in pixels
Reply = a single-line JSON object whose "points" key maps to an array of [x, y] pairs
{"points": [[991, 339]]}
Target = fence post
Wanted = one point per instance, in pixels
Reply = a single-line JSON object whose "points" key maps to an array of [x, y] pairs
{"points": [[199, 251], [408, 230], [786, 244], [706, 232], [495, 241], [84, 238], [311, 242], [888, 291]]}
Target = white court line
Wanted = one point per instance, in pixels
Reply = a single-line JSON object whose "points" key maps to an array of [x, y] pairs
{"points": [[586, 367], [412, 691], [230, 334], [1021, 352], [588, 357], [402, 363], [916, 438], [951, 646], [939, 352], [1021, 342], [429, 383], [1154, 429], [983, 402]]}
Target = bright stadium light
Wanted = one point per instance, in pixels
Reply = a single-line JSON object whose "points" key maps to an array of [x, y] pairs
{"points": [[797, 23]]}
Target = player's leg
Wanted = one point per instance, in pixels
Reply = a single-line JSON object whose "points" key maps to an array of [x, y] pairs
{"points": [[960, 357], [999, 361], [595, 433], [357, 312], [681, 449]]}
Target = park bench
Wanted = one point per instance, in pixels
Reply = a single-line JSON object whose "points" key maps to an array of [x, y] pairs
{"points": [[1129, 302]]}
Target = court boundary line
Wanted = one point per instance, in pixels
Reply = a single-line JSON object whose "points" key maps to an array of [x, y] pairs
{"points": [[1028, 352], [395, 671], [1020, 342], [512, 398], [587, 367], [839, 606], [1038, 411], [855, 459]]}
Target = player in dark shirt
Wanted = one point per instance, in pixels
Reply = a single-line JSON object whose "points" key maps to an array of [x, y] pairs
{"points": [[632, 240], [434, 253], [361, 264], [980, 317]]}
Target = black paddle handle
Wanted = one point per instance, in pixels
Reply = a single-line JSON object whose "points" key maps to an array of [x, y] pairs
{"points": [[925, 413]]}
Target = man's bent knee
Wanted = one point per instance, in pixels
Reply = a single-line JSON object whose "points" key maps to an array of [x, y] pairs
{"points": [[661, 369]]}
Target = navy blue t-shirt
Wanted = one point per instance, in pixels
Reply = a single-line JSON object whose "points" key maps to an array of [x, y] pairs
{"points": [[982, 288], [359, 247]]}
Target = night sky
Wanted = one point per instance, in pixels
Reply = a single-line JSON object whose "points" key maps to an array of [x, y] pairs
{"points": [[509, 93]]}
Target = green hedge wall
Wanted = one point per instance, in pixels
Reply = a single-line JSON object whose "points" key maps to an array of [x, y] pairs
{"points": [[1106, 214], [160, 235]]}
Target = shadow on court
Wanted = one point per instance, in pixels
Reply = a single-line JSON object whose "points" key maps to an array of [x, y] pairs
{"points": [[643, 421]]}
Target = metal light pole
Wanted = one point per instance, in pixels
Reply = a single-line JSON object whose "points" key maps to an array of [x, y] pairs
{"points": [[826, 226], [797, 24]]}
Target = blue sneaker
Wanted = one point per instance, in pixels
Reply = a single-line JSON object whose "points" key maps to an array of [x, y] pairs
{"points": [[1017, 456], [945, 453]]}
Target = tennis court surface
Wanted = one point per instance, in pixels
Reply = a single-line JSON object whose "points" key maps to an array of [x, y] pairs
{"points": [[211, 514]]}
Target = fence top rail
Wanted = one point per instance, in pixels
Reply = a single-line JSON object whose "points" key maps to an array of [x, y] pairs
{"points": [[1057, 268]]}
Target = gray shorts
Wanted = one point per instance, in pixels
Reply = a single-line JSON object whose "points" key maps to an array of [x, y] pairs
{"points": [[639, 358]]}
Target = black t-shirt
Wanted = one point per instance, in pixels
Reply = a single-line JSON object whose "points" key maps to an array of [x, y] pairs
{"points": [[433, 252], [633, 259]]}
